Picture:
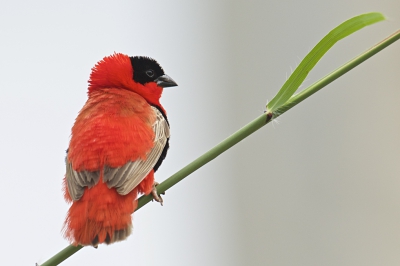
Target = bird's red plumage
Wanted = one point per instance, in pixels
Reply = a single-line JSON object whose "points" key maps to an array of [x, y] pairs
{"points": [[113, 127]]}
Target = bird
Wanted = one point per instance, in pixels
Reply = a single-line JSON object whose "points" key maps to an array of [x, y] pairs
{"points": [[118, 141]]}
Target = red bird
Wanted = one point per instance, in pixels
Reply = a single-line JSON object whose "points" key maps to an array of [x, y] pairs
{"points": [[118, 141]]}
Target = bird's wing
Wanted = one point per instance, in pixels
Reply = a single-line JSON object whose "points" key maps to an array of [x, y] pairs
{"points": [[77, 181], [126, 177]]}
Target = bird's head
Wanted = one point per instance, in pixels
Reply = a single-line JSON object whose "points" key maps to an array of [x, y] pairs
{"points": [[139, 74]]}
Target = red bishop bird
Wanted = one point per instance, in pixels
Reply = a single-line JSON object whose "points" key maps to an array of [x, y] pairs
{"points": [[118, 141]]}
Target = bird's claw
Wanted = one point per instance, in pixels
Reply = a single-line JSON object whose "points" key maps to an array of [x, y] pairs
{"points": [[157, 197]]}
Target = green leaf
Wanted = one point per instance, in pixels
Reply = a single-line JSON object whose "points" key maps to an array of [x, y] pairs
{"points": [[343, 30]]}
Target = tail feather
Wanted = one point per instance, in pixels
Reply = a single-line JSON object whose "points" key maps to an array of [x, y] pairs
{"points": [[100, 216]]}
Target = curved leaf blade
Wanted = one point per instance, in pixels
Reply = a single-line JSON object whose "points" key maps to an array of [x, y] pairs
{"points": [[343, 30]]}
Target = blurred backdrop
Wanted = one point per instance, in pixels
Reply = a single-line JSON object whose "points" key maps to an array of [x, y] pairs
{"points": [[321, 187]]}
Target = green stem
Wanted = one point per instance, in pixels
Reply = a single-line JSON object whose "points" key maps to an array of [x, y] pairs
{"points": [[238, 136], [61, 256], [244, 132]]}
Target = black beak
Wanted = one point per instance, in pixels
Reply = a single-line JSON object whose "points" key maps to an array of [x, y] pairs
{"points": [[165, 81]]}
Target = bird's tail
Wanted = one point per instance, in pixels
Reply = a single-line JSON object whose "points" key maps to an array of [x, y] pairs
{"points": [[100, 216]]}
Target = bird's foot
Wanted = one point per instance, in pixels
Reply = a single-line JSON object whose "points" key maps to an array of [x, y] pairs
{"points": [[156, 196]]}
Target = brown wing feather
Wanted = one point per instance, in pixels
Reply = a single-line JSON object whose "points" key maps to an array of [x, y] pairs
{"points": [[126, 177]]}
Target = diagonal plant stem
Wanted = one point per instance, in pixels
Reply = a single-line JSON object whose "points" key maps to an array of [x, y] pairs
{"points": [[242, 133], [61, 256]]}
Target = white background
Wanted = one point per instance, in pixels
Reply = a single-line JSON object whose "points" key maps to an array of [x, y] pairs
{"points": [[322, 187]]}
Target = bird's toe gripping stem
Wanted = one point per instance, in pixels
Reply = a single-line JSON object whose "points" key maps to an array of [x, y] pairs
{"points": [[156, 196]]}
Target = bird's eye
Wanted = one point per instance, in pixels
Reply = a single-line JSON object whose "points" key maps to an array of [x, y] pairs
{"points": [[150, 73]]}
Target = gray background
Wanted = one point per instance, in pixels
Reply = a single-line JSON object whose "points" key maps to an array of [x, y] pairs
{"points": [[321, 187]]}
